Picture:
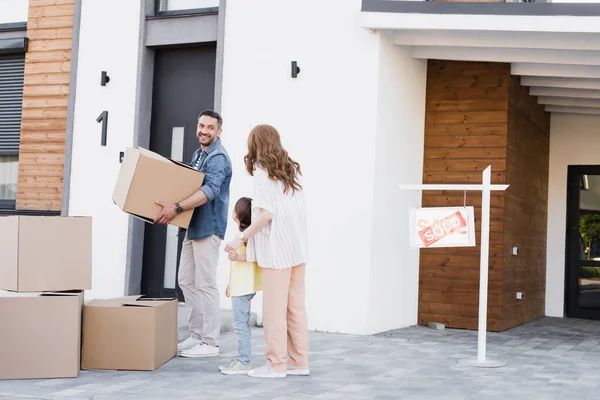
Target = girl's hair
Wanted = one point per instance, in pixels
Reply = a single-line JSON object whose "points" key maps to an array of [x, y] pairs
{"points": [[265, 151], [243, 210]]}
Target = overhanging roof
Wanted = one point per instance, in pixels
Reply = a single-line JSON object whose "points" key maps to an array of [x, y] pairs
{"points": [[555, 47]]}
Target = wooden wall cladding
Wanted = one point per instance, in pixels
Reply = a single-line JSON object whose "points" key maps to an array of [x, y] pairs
{"points": [[478, 115], [465, 131], [526, 208], [45, 100]]}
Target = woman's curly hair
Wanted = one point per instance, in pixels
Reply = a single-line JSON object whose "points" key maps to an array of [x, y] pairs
{"points": [[265, 151]]}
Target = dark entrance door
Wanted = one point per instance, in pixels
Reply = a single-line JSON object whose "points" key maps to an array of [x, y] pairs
{"points": [[184, 81], [582, 289]]}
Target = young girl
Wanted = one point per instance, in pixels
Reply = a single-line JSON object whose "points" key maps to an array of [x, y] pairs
{"points": [[245, 279]]}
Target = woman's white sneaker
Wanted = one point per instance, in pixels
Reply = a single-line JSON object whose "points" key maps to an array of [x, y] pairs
{"points": [[266, 371], [202, 349], [297, 371]]}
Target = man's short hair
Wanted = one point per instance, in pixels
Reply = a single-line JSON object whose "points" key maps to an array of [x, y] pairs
{"points": [[212, 114]]}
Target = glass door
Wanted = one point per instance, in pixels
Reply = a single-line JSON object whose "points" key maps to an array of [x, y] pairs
{"points": [[582, 289]]}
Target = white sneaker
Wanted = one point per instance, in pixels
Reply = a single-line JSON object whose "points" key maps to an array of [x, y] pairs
{"points": [[229, 364], [266, 371], [202, 349], [187, 344], [235, 367], [291, 370]]}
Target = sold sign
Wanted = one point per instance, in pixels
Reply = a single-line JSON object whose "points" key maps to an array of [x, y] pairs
{"points": [[442, 227]]}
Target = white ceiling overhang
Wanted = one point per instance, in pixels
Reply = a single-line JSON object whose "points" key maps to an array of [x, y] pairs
{"points": [[557, 56]]}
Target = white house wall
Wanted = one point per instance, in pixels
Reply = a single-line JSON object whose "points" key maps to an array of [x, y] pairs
{"points": [[574, 140], [336, 119], [394, 276], [108, 41], [12, 11]]}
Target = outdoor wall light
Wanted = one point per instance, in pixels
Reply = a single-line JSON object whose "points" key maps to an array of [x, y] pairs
{"points": [[104, 78], [295, 69]]}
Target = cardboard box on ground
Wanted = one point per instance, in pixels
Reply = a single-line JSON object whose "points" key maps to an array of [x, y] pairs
{"points": [[129, 333], [40, 335], [146, 177]]}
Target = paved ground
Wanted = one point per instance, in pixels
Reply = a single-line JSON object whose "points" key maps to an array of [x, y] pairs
{"points": [[547, 359]]}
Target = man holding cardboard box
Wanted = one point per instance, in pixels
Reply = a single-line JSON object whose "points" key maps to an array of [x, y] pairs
{"points": [[200, 252]]}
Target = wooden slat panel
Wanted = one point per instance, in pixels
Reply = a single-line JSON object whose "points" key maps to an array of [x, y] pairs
{"points": [[45, 101], [51, 45], [474, 93], [466, 153], [49, 56], [47, 67], [481, 81], [450, 141], [43, 148], [443, 198], [51, 33], [464, 165], [495, 251], [433, 129], [45, 90], [40, 204], [458, 297], [45, 113], [457, 260], [48, 79], [43, 137], [494, 312], [465, 106], [474, 117], [39, 3], [65, 9], [54, 22], [461, 177]]}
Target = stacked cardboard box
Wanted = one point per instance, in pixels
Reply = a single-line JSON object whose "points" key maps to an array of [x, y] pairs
{"points": [[46, 265]]}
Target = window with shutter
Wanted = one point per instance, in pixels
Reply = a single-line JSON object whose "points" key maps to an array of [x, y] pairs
{"points": [[12, 70]]}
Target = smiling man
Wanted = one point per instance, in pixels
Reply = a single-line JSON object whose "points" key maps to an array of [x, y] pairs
{"points": [[200, 252]]}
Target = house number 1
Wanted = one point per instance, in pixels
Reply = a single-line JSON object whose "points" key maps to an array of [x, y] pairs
{"points": [[103, 117]]}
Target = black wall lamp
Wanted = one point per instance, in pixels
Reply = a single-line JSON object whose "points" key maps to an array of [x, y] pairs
{"points": [[295, 69], [104, 78]]}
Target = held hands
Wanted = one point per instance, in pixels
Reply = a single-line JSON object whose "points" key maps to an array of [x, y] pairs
{"points": [[169, 211], [232, 255], [233, 244]]}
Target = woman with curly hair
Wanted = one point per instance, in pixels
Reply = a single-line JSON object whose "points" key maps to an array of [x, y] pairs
{"points": [[277, 242]]}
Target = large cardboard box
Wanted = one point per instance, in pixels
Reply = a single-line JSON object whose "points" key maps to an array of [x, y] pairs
{"points": [[40, 335], [40, 254], [146, 177], [129, 333]]}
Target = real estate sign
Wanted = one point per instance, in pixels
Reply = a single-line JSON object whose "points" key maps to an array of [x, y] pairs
{"points": [[442, 227]]}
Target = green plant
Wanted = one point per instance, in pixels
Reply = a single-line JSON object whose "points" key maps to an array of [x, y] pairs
{"points": [[589, 272]]}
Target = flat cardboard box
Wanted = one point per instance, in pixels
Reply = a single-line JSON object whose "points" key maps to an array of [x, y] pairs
{"points": [[45, 254], [40, 335], [129, 333], [146, 177]]}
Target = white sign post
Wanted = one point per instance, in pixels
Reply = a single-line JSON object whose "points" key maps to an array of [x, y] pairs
{"points": [[486, 187]]}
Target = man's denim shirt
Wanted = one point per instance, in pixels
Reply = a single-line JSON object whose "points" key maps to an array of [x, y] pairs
{"points": [[211, 218]]}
